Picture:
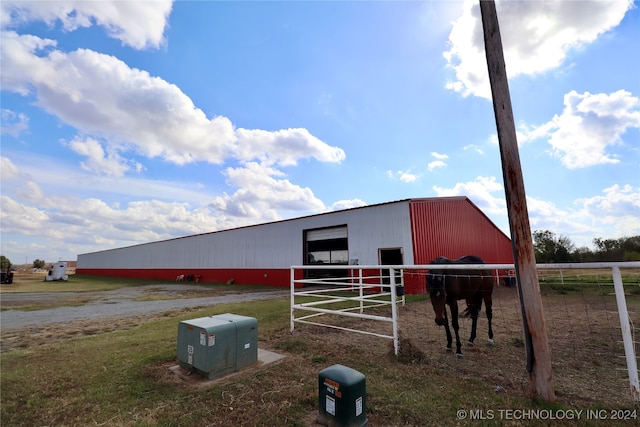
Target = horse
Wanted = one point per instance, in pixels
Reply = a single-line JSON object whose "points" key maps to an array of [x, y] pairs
{"points": [[447, 286]]}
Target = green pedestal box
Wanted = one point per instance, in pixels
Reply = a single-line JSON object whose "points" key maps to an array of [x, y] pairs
{"points": [[214, 346], [342, 397]]}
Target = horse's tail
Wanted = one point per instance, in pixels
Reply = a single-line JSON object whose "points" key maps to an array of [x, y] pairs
{"points": [[467, 312], [477, 305]]}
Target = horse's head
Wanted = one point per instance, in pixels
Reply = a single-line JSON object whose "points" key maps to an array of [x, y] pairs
{"points": [[437, 294], [437, 290]]}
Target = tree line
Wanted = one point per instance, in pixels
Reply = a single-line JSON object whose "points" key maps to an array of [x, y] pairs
{"points": [[551, 248], [5, 263]]}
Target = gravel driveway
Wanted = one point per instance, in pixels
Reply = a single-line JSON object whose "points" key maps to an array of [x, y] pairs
{"points": [[117, 303]]}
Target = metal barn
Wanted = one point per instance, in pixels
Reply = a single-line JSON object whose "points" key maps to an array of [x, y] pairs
{"points": [[410, 231]]}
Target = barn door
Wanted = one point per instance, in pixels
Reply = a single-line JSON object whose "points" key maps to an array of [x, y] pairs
{"points": [[390, 256], [326, 246]]}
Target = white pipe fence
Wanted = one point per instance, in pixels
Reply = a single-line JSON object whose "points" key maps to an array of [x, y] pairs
{"points": [[317, 292], [369, 295]]}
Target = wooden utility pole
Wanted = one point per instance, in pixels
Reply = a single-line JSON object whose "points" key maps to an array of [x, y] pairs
{"points": [[538, 353]]}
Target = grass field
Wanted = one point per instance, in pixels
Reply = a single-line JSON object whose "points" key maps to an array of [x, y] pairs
{"points": [[122, 377]]}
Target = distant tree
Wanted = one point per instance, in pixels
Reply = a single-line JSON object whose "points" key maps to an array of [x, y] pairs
{"points": [[38, 263], [550, 248], [564, 247], [622, 249], [582, 254], [606, 245], [631, 248], [5, 263], [543, 245]]}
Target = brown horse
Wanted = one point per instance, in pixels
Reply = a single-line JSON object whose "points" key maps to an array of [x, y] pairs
{"points": [[447, 286]]}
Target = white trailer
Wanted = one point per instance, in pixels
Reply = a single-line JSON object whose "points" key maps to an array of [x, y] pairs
{"points": [[58, 271]]}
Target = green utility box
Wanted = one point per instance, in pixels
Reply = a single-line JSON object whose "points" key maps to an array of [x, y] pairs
{"points": [[342, 397], [214, 346]]}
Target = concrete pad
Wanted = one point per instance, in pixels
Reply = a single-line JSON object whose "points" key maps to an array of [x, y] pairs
{"points": [[265, 358]]}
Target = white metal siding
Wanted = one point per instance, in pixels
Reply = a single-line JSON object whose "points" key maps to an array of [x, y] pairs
{"points": [[273, 245], [380, 226]]}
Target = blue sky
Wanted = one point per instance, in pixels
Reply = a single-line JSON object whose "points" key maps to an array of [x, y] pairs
{"points": [[129, 122]]}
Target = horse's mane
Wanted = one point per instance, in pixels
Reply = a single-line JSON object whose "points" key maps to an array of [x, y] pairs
{"points": [[467, 259]]}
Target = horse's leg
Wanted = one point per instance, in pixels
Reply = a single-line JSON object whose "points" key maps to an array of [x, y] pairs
{"points": [[488, 306], [447, 330], [474, 310], [456, 328], [474, 324]]}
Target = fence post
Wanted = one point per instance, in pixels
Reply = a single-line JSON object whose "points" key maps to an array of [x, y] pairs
{"points": [[293, 302], [394, 310], [627, 337], [361, 291]]}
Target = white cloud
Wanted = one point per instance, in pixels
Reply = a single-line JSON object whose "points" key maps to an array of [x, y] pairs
{"points": [[536, 37], [284, 147], [477, 149], [588, 126], [15, 180], [19, 218], [408, 177], [262, 193], [436, 164], [618, 207], [404, 176], [480, 192], [18, 58], [347, 204], [13, 123], [545, 215], [90, 222], [30, 191], [97, 160], [8, 170], [136, 24], [87, 224]]}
